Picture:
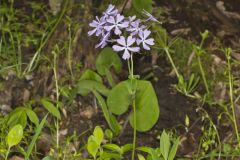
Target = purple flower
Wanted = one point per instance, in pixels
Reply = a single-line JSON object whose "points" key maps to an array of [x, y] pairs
{"points": [[110, 11], [116, 23], [135, 27], [125, 45], [143, 39], [150, 17], [104, 40], [131, 19], [97, 25]]}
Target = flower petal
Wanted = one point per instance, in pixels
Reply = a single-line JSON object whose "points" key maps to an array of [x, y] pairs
{"points": [[117, 48], [134, 49], [146, 33], [119, 18], [126, 55], [138, 41], [92, 32], [109, 28], [150, 41], [130, 40], [117, 31], [122, 41], [145, 46], [140, 34], [111, 20], [123, 25]]}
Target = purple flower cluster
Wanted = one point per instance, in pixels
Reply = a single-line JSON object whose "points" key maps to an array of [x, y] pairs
{"points": [[128, 32]]}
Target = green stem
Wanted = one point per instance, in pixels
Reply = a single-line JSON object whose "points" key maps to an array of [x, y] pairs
{"points": [[203, 74], [134, 129], [171, 61], [231, 98], [7, 153], [130, 67]]}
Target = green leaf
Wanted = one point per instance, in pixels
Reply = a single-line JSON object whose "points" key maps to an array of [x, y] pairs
{"points": [[113, 147], [145, 149], [141, 5], [164, 144], [106, 59], [51, 108], [98, 134], [155, 154], [92, 146], [32, 116], [119, 98], [91, 75], [140, 157], [174, 148], [84, 87], [108, 134], [110, 156], [111, 120], [35, 137], [15, 135], [147, 109], [126, 148], [18, 116]]}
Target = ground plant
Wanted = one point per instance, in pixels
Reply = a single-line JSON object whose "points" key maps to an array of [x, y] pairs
{"points": [[112, 80]]}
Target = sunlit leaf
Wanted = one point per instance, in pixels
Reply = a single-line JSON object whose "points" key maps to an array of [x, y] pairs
{"points": [[92, 146], [98, 134], [15, 135]]}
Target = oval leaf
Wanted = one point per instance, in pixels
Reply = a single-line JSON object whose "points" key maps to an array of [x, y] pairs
{"points": [[90, 75], [147, 109], [84, 87], [51, 108], [119, 98], [92, 146], [15, 135], [98, 134], [106, 59], [112, 147], [32, 116]]}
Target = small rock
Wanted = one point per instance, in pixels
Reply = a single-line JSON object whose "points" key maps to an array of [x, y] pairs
{"points": [[5, 108], [63, 132], [44, 143]]}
